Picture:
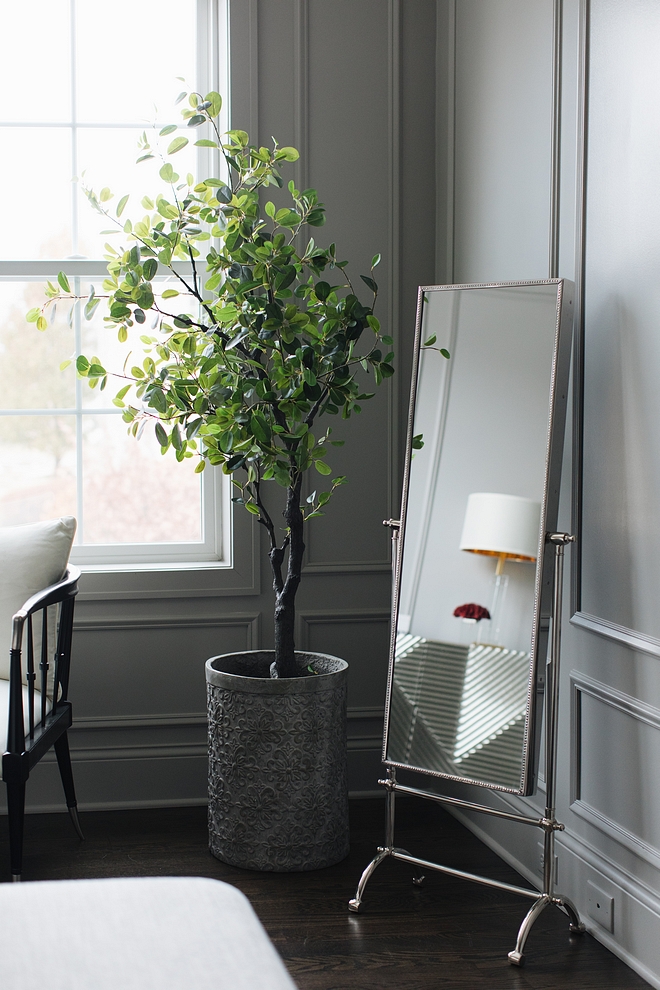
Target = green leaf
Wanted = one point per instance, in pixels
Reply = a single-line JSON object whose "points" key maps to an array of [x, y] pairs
{"points": [[91, 306], [176, 145], [169, 293], [33, 314], [445, 353], [150, 268], [167, 173], [121, 205], [169, 129], [42, 323], [288, 154], [418, 442], [105, 195], [200, 467], [322, 467], [269, 209], [431, 341], [161, 435], [64, 282], [196, 120], [260, 428], [205, 143], [216, 103], [375, 261], [370, 282]]}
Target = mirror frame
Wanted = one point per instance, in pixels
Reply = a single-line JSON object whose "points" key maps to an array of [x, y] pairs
{"points": [[543, 586]]}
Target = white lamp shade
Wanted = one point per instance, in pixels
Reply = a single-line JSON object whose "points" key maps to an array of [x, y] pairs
{"points": [[501, 524]]}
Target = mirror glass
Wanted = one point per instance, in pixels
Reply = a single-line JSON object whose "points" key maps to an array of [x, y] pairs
{"points": [[468, 603]]}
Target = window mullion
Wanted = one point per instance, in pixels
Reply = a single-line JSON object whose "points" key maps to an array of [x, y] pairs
{"points": [[80, 535]]}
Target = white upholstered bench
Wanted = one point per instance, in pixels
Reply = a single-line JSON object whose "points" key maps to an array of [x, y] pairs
{"points": [[161, 933]]}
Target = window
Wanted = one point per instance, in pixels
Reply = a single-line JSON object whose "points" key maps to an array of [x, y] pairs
{"points": [[78, 86]]}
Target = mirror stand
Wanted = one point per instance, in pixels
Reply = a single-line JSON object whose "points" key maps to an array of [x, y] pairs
{"points": [[549, 824]]}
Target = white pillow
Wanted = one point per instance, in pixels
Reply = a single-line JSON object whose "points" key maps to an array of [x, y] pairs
{"points": [[31, 558]]}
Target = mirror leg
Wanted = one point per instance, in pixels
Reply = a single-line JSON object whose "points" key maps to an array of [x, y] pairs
{"points": [[355, 902], [517, 956], [576, 927]]}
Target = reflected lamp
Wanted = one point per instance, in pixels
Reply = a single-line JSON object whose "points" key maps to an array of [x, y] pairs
{"points": [[502, 526]]}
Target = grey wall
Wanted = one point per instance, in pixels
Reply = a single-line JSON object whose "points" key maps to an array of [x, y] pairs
{"points": [[353, 86], [426, 127], [608, 793]]}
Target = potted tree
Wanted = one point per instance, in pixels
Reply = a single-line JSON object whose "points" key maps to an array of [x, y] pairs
{"points": [[274, 340]]}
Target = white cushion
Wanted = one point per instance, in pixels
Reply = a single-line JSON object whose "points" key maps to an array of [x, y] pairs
{"points": [[31, 558], [152, 933], [4, 710]]}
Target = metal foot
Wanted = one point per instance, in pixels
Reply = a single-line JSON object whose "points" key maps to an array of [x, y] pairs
{"points": [[576, 927], [355, 902], [517, 955], [73, 811], [16, 878]]}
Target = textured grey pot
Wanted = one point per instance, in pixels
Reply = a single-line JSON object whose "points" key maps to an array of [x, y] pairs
{"points": [[278, 789]]}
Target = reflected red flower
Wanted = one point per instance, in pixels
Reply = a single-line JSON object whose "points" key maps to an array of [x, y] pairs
{"points": [[472, 611]]}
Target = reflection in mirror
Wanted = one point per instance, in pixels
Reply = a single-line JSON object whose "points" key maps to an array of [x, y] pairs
{"points": [[462, 681]]}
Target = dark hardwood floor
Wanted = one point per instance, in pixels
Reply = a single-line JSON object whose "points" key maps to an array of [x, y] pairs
{"points": [[446, 934]]}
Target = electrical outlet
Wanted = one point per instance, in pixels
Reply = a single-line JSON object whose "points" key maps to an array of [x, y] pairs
{"points": [[601, 906], [541, 860]]}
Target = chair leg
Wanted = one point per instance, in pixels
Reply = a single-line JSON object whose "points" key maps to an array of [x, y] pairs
{"points": [[66, 773], [16, 814]]}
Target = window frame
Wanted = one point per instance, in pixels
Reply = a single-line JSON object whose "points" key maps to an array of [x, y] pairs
{"points": [[215, 550]]}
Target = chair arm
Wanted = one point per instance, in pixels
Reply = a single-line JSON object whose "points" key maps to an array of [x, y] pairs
{"points": [[66, 588]]}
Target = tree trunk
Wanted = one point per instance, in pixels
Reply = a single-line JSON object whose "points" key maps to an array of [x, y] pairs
{"points": [[285, 612]]}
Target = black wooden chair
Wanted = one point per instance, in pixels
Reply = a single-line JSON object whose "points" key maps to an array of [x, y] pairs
{"points": [[39, 709]]}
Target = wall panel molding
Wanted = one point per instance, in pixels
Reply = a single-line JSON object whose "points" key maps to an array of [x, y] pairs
{"points": [[301, 91], [353, 567], [640, 711], [445, 142], [306, 618], [116, 623], [394, 238], [630, 638]]}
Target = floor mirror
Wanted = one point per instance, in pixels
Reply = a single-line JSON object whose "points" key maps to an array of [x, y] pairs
{"points": [[474, 651]]}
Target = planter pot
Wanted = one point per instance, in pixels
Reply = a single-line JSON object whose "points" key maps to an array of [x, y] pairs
{"points": [[278, 791]]}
